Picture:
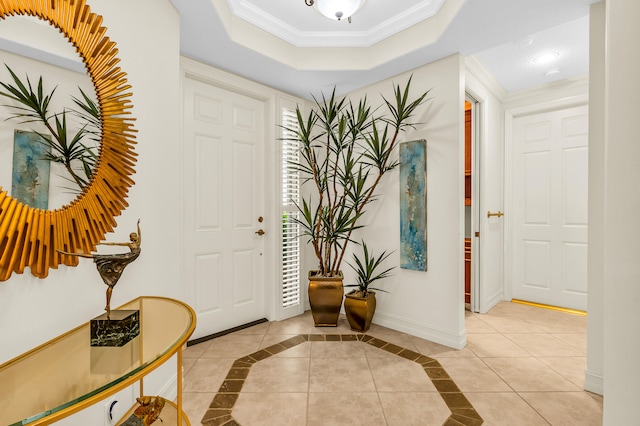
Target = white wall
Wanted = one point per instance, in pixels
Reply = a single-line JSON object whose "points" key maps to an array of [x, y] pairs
{"points": [[621, 224], [426, 304], [594, 375], [33, 311]]}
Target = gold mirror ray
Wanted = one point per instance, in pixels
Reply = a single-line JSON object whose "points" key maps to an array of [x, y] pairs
{"points": [[30, 237]]}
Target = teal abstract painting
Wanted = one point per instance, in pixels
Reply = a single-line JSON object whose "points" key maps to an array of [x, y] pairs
{"points": [[30, 174], [413, 205]]}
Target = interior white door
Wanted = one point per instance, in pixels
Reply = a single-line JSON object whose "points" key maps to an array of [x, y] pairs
{"points": [[223, 204], [549, 220]]}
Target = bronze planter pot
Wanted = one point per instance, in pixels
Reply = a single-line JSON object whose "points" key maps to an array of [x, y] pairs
{"points": [[325, 298], [360, 310]]}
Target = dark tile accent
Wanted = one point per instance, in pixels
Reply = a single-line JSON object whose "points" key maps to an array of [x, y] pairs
{"points": [[233, 386], [260, 355], [219, 413], [349, 338], [410, 355], [467, 421], [237, 374], [466, 412], [224, 400], [376, 342], [394, 349], [276, 349], [436, 373], [456, 400], [294, 341], [213, 415], [446, 385]]}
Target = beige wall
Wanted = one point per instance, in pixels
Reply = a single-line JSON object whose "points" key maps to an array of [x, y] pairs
{"points": [[621, 224], [426, 304]]}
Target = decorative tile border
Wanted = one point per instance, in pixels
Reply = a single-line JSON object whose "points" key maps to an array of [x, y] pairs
{"points": [[219, 412]]}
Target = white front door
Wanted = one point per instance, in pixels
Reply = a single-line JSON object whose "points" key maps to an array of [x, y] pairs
{"points": [[223, 204], [549, 220]]}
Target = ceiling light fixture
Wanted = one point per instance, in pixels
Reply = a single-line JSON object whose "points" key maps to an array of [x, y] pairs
{"points": [[336, 9], [546, 58]]}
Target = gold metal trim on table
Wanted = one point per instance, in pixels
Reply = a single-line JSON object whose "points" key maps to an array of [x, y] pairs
{"points": [[143, 370]]}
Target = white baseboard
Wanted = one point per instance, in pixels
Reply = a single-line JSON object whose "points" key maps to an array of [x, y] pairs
{"points": [[593, 383], [170, 390], [443, 337]]}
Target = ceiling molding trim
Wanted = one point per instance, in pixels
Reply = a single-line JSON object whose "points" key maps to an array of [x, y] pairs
{"points": [[333, 58], [252, 14]]}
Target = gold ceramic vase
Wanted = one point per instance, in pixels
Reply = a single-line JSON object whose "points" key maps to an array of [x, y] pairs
{"points": [[360, 310], [325, 298]]}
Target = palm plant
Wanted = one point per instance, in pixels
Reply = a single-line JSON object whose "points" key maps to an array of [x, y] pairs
{"points": [[66, 145], [366, 270], [345, 149]]}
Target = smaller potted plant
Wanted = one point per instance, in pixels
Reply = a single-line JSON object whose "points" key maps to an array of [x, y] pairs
{"points": [[360, 304]]}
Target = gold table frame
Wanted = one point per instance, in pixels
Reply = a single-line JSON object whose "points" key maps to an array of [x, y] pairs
{"points": [[55, 379]]}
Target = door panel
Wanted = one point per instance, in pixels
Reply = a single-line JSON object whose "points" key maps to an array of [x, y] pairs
{"points": [[550, 157], [223, 187]]}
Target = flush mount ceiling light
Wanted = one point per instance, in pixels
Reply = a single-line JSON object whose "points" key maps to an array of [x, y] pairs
{"points": [[546, 58], [336, 9]]}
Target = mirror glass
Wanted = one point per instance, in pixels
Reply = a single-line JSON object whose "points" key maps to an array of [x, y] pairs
{"points": [[40, 174]]}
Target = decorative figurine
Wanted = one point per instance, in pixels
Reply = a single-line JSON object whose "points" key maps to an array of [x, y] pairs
{"points": [[111, 266]]}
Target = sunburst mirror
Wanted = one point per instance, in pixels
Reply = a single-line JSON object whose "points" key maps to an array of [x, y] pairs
{"points": [[29, 237]]}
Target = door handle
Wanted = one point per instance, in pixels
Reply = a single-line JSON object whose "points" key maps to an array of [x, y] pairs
{"points": [[260, 232], [499, 214]]}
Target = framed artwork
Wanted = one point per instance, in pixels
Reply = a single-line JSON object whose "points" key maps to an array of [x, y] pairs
{"points": [[413, 205], [30, 173]]}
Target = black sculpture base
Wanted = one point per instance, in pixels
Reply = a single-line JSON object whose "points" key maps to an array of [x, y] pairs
{"points": [[117, 330]]}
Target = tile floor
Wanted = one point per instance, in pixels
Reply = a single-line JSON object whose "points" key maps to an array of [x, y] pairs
{"points": [[523, 365]]}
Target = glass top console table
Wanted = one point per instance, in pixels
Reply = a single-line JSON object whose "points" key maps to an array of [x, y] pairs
{"points": [[67, 374]]}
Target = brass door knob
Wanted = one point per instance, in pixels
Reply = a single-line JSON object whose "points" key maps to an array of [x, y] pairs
{"points": [[260, 232]]}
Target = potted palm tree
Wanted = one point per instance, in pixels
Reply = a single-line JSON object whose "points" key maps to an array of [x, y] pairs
{"points": [[345, 149], [360, 304]]}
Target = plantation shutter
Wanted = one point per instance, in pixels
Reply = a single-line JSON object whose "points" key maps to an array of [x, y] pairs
{"points": [[290, 197]]}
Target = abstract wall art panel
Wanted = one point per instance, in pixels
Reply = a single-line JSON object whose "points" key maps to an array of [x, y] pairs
{"points": [[413, 205], [30, 174]]}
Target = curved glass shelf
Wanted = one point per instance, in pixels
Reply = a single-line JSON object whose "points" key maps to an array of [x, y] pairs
{"points": [[66, 374]]}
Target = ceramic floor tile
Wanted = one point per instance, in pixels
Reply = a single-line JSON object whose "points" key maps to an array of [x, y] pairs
{"points": [[566, 408], [233, 346], [494, 345], [504, 409], [294, 326], [577, 340], [195, 351], [195, 404], [278, 375], [529, 374], [571, 368], [476, 324], [345, 409], [207, 375], [187, 363], [473, 375], [436, 350], [302, 350], [399, 375], [543, 345], [414, 408], [272, 339], [282, 409], [511, 325], [340, 375], [337, 349]]}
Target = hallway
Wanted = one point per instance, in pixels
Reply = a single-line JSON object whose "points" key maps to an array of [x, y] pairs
{"points": [[523, 365]]}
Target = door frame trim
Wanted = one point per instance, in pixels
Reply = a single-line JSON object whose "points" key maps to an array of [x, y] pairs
{"points": [[509, 115], [192, 69]]}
